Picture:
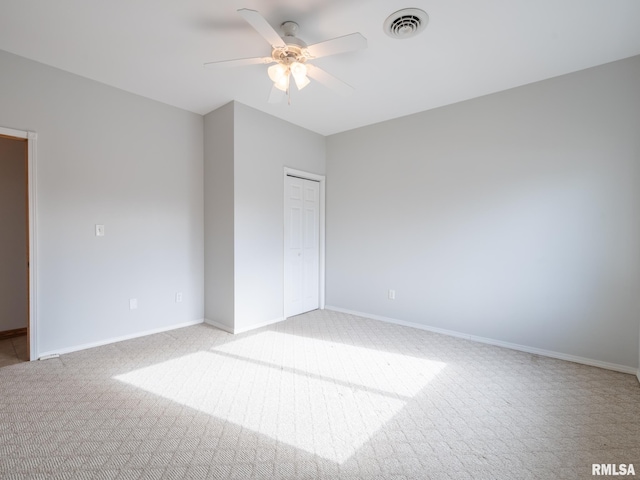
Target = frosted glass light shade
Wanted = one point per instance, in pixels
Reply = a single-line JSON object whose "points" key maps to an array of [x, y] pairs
{"points": [[299, 72], [298, 69], [301, 81], [283, 83], [276, 72]]}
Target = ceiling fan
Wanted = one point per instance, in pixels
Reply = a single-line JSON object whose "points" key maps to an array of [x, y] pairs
{"points": [[290, 56]]}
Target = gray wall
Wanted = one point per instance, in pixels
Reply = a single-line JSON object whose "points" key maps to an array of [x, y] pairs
{"points": [[13, 234], [109, 157], [219, 216], [514, 216], [245, 155], [263, 146]]}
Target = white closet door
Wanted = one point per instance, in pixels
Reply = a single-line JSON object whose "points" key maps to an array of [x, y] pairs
{"points": [[302, 246]]}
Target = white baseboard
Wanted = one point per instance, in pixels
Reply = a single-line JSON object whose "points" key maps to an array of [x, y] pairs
{"points": [[218, 325], [498, 343], [259, 325], [236, 331], [100, 343]]}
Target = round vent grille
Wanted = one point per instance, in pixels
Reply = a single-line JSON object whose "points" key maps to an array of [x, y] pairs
{"points": [[406, 23]]}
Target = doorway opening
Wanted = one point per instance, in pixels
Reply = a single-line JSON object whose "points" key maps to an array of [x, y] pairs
{"points": [[17, 246], [304, 242]]}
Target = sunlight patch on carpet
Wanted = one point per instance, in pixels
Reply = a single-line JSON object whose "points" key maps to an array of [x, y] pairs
{"points": [[325, 398]]}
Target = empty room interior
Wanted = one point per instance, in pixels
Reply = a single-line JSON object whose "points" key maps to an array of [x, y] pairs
{"points": [[360, 239]]}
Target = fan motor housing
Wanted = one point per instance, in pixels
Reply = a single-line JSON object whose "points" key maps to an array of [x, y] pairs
{"points": [[294, 49], [289, 54]]}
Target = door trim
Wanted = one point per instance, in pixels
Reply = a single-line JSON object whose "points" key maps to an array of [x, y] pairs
{"points": [[292, 172], [32, 141]]}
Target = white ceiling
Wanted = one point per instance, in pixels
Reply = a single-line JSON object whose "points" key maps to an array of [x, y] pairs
{"points": [[156, 48]]}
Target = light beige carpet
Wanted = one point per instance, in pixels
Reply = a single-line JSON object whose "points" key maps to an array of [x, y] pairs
{"points": [[323, 395]]}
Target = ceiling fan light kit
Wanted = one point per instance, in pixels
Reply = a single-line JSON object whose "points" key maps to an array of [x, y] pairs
{"points": [[290, 55], [290, 60]]}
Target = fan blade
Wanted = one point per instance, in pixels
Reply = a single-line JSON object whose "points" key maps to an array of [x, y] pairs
{"points": [[260, 24], [240, 62], [328, 80], [348, 43], [276, 95]]}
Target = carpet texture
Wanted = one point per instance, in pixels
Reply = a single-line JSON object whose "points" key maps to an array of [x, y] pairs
{"points": [[323, 395]]}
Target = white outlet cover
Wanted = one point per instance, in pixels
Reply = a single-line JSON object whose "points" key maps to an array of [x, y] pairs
{"points": [[133, 303], [99, 230]]}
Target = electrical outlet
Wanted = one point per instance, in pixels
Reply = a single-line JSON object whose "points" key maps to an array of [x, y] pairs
{"points": [[133, 303], [392, 294], [99, 230], [178, 297]]}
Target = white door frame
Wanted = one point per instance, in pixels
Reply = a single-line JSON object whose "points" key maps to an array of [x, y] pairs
{"points": [[32, 141], [321, 244]]}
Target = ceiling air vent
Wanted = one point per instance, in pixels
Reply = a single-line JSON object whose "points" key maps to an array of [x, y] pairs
{"points": [[406, 23]]}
